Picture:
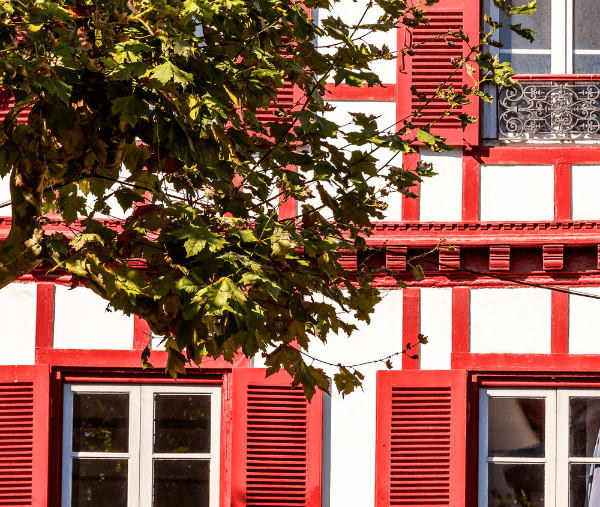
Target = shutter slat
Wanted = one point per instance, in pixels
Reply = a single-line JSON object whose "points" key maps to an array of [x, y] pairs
{"points": [[277, 442], [16, 418], [431, 65], [421, 431]]}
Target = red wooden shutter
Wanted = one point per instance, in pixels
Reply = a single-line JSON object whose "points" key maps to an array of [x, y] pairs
{"points": [[24, 429], [277, 442], [421, 438], [431, 65], [23, 115]]}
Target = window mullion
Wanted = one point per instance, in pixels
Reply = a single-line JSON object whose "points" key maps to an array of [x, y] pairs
{"points": [[562, 448], [569, 35], [559, 36]]}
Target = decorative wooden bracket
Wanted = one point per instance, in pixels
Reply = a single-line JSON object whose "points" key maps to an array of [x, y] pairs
{"points": [[553, 257], [449, 259], [499, 258], [348, 260], [395, 256]]}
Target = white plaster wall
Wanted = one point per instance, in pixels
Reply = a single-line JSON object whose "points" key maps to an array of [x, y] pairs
{"points": [[17, 314], [386, 113], [585, 188], [82, 322], [584, 323], [510, 321], [517, 192], [353, 418], [436, 324], [440, 197], [351, 12], [5, 196]]}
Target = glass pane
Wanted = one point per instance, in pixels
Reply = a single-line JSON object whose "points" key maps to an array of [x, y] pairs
{"points": [[101, 422], [527, 64], [586, 24], [520, 484], [584, 485], [516, 426], [99, 483], [584, 417], [181, 483], [540, 21], [586, 64], [182, 423]]}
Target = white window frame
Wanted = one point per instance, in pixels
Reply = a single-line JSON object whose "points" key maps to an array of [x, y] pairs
{"points": [[561, 40], [141, 433], [557, 460]]}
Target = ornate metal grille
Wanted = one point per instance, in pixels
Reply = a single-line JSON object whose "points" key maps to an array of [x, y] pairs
{"points": [[546, 110]]}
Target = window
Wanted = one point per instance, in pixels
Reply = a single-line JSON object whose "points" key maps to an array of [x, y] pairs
{"points": [[128, 445], [539, 448], [566, 41]]}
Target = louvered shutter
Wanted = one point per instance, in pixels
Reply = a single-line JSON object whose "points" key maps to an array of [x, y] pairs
{"points": [[421, 438], [24, 428], [8, 102], [277, 442], [431, 65], [286, 99]]}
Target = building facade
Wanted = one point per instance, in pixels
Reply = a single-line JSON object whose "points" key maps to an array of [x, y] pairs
{"points": [[502, 403]]}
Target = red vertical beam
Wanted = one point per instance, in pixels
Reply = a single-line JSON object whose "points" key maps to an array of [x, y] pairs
{"points": [[562, 191], [411, 317], [560, 323], [470, 189], [460, 322], [410, 206], [44, 320], [289, 207]]}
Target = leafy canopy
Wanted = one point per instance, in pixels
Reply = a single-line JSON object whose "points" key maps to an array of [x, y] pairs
{"points": [[154, 103]]}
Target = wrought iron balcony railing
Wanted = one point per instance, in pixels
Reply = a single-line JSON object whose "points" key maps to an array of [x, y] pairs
{"points": [[557, 109]]}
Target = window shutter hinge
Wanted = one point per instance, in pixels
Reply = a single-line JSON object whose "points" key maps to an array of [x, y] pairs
{"points": [[468, 411]]}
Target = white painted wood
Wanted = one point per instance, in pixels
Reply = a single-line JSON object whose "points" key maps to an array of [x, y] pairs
{"points": [[147, 455], [584, 323], [558, 37], [585, 188], [511, 192], [82, 322], [132, 457], [436, 324], [511, 321], [440, 197], [550, 441], [17, 313], [569, 37]]}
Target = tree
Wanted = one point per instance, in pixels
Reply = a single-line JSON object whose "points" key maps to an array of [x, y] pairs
{"points": [[156, 103]]}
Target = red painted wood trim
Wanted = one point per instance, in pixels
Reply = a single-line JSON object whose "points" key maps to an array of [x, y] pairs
{"points": [[461, 326], [536, 155], [410, 206], [560, 323], [289, 207], [557, 77], [44, 316], [226, 442], [141, 333], [125, 359], [411, 318], [527, 362], [562, 191], [470, 190], [387, 93]]}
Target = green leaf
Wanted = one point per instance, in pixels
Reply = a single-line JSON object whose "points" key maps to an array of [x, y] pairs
{"points": [[199, 238], [56, 87], [132, 108], [145, 356], [418, 273], [168, 71]]}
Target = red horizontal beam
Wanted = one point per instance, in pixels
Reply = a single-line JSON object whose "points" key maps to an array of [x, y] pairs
{"points": [[557, 77], [387, 93]]}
